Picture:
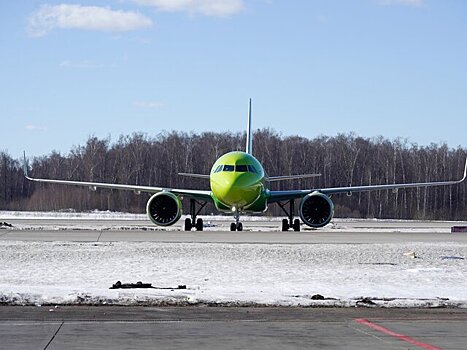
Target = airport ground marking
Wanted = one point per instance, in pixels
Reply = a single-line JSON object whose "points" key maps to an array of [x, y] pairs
{"points": [[403, 337]]}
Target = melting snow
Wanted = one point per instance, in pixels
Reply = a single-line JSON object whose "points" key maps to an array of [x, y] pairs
{"points": [[239, 274], [233, 274]]}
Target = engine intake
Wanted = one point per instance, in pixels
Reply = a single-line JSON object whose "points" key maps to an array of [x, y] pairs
{"points": [[164, 208], [316, 209]]}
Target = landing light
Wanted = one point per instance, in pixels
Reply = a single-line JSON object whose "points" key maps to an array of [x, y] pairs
{"points": [[234, 209]]}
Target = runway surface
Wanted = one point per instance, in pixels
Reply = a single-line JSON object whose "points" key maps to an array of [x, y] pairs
{"points": [[231, 328]]}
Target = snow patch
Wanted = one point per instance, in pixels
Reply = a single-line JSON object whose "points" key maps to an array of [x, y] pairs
{"points": [[58, 273]]}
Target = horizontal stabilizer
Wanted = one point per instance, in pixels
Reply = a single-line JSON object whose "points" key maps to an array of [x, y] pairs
{"points": [[291, 177], [199, 176]]}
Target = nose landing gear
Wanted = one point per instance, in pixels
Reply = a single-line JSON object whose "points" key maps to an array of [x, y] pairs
{"points": [[237, 225], [192, 221]]}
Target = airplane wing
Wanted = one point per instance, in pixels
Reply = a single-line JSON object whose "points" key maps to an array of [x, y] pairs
{"points": [[277, 196], [196, 194]]}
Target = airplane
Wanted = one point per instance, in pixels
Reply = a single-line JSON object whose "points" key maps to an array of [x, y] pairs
{"points": [[239, 185]]}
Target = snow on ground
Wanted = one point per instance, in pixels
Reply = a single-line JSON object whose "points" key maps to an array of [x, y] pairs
{"points": [[54, 273], [70, 214], [105, 215], [108, 220]]}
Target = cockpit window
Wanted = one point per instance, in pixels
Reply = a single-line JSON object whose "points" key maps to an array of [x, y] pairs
{"points": [[241, 168], [229, 168], [252, 169]]}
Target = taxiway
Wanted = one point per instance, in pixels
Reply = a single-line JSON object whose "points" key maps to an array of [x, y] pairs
{"points": [[353, 252], [264, 230], [231, 328]]}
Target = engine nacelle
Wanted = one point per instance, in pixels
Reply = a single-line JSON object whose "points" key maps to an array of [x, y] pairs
{"points": [[164, 208], [316, 209]]}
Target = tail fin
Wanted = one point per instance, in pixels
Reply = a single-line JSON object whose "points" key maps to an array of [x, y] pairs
{"points": [[249, 143]]}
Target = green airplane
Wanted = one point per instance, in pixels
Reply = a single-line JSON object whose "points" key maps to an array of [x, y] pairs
{"points": [[239, 185]]}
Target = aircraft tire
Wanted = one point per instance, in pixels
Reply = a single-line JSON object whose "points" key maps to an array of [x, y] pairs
{"points": [[199, 225], [285, 225], [240, 227], [296, 225], [188, 225], [233, 227]]}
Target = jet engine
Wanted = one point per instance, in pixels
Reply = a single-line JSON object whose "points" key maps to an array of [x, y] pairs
{"points": [[316, 209], [164, 208]]}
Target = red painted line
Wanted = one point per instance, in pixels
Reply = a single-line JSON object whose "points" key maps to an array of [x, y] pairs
{"points": [[403, 337]]}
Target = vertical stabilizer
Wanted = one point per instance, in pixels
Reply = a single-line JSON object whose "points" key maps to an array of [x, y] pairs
{"points": [[249, 148]]}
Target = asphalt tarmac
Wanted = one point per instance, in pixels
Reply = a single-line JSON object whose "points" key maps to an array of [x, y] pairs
{"points": [[83, 327], [264, 231], [105, 327]]}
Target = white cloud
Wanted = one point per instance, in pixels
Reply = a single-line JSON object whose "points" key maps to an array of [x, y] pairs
{"points": [[216, 8], [32, 127], [321, 19], [49, 17], [149, 104], [79, 64], [402, 2]]}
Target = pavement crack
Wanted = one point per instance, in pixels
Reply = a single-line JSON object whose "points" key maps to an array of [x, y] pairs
{"points": [[366, 333], [55, 334], [100, 234], [5, 233]]}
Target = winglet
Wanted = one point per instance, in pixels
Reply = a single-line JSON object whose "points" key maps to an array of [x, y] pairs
{"points": [[249, 145], [25, 166], [465, 171]]}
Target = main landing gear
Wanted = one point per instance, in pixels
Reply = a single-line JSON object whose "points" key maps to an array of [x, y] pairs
{"points": [[192, 221], [237, 225], [289, 222]]}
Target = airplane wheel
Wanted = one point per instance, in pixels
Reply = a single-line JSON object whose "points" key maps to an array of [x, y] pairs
{"points": [[285, 225], [199, 225], [296, 225], [233, 227], [188, 224], [240, 227]]}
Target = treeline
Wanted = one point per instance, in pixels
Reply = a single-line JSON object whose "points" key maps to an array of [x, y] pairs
{"points": [[342, 160]]}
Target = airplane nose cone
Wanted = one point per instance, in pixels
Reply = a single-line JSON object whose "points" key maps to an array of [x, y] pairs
{"points": [[236, 191]]}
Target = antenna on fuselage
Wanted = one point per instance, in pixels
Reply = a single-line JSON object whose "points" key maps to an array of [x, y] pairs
{"points": [[249, 144]]}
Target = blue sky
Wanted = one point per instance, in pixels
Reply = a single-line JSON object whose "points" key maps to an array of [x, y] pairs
{"points": [[396, 68]]}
